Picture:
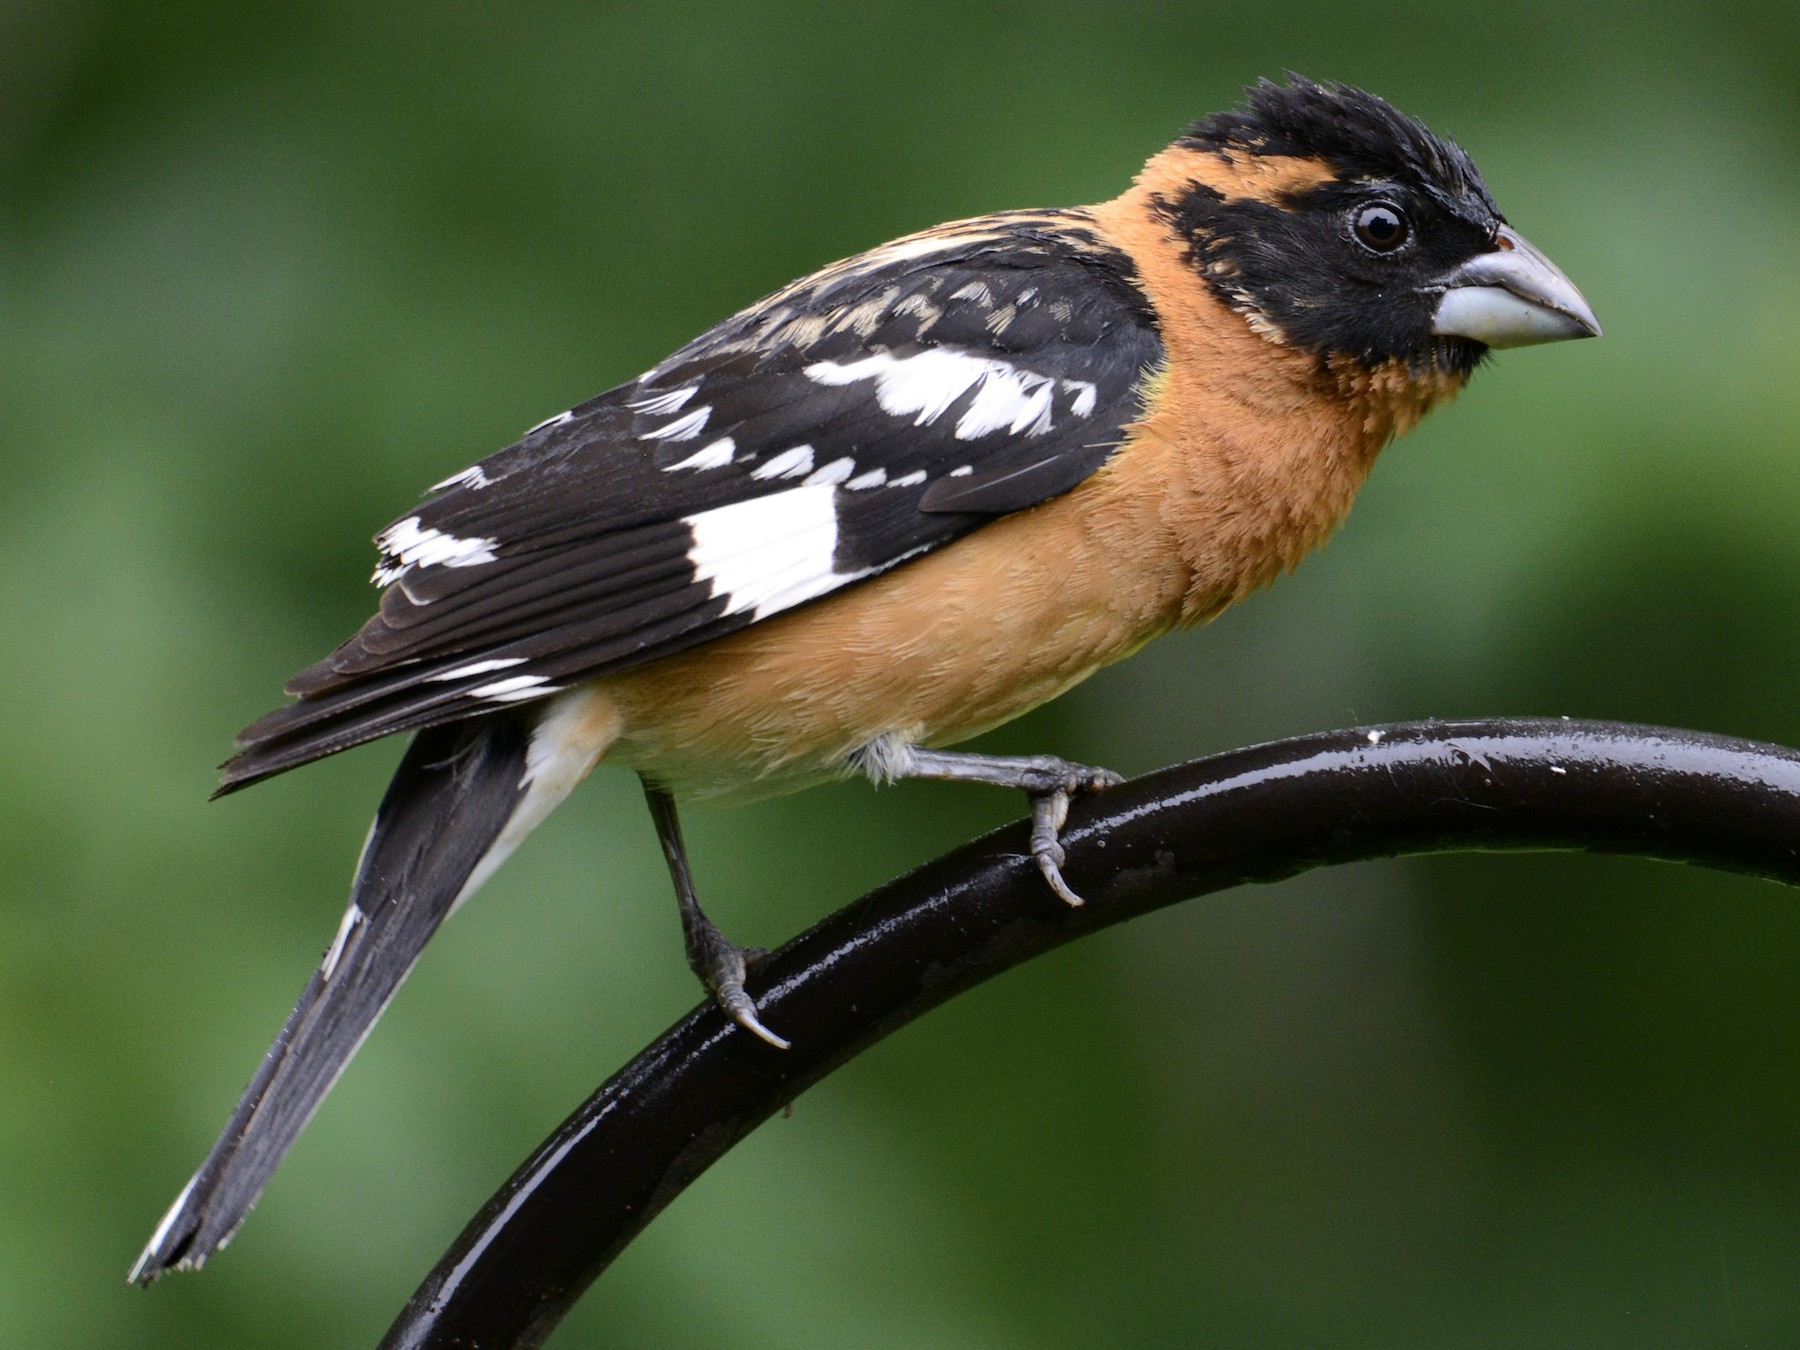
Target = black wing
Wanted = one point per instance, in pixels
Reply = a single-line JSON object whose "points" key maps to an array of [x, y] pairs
{"points": [[871, 412]]}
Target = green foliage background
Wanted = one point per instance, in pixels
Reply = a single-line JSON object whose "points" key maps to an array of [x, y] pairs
{"points": [[265, 271]]}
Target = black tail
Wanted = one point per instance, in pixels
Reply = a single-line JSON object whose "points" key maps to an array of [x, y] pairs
{"points": [[451, 798]]}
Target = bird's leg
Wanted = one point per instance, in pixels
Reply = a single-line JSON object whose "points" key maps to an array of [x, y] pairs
{"points": [[719, 962], [1046, 779]]}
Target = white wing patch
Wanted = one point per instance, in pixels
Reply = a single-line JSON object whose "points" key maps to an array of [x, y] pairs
{"points": [[1085, 394], [479, 668], [683, 428], [795, 463], [835, 472], [1008, 400], [713, 455], [515, 688], [921, 386], [661, 405], [473, 477], [767, 554], [405, 545], [924, 385]]}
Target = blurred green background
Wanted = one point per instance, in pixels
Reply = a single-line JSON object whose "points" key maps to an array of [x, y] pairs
{"points": [[267, 271]]}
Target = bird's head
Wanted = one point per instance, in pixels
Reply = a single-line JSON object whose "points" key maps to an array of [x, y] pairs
{"points": [[1339, 226]]}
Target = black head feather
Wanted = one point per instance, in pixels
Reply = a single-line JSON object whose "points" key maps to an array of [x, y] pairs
{"points": [[1289, 259], [1358, 134]]}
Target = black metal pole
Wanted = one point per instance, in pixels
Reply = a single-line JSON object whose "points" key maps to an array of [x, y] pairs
{"points": [[1259, 814]]}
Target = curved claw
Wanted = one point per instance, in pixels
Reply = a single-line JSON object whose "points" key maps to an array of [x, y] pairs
{"points": [[740, 1008], [1049, 813], [1053, 874], [724, 976]]}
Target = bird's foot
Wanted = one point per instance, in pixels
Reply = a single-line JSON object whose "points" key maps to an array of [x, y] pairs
{"points": [[1051, 783], [719, 962], [1048, 780], [721, 965]]}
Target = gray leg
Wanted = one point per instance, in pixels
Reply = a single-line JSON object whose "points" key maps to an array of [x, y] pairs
{"points": [[718, 962], [1046, 779]]}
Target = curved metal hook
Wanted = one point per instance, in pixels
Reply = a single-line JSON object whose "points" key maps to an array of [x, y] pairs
{"points": [[1258, 814]]}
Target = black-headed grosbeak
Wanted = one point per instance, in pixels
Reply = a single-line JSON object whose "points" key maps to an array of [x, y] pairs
{"points": [[889, 506]]}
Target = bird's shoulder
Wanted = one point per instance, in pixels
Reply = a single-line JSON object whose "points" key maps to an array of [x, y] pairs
{"points": [[970, 341]]}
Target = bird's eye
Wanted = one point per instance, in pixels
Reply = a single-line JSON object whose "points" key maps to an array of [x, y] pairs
{"points": [[1381, 228]]}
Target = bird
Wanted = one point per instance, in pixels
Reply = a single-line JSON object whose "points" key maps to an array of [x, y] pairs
{"points": [[887, 507]]}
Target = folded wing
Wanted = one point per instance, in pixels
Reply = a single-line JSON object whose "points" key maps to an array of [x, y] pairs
{"points": [[872, 412]]}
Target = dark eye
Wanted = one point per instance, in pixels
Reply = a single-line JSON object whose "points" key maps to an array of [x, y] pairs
{"points": [[1381, 228]]}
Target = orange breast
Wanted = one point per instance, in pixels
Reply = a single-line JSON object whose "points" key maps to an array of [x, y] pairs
{"points": [[1248, 455]]}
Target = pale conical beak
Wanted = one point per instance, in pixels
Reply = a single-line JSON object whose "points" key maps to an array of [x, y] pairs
{"points": [[1512, 297]]}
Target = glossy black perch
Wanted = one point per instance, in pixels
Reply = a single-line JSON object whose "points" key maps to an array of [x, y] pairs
{"points": [[1254, 815]]}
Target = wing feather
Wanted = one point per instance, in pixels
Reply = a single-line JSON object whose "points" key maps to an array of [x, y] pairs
{"points": [[879, 409]]}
